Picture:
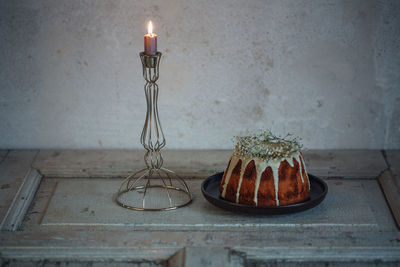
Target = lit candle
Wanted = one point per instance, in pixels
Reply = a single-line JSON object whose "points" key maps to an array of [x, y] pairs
{"points": [[150, 41]]}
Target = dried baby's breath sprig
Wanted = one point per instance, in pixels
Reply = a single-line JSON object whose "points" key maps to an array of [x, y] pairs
{"points": [[266, 145]]}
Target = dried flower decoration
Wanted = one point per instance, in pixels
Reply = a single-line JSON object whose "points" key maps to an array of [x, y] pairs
{"points": [[266, 145]]}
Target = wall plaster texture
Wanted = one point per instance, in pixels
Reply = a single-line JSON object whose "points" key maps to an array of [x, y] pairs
{"points": [[328, 71]]}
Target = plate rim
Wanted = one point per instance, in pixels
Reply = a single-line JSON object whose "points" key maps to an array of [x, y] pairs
{"points": [[267, 210]]}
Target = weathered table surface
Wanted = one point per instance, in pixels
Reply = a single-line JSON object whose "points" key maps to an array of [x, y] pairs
{"points": [[56, 209]]}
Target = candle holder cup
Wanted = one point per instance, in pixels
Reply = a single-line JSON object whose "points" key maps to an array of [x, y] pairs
{"points": [[153, 188]]}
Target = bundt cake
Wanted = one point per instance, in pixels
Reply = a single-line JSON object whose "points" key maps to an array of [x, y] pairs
{"points": [[265, 170]]}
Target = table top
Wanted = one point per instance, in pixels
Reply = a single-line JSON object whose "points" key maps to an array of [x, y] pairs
{"points": [[57, 206]]}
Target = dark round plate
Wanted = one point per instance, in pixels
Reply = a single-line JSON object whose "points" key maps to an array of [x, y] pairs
{"points": [[210, 189]]}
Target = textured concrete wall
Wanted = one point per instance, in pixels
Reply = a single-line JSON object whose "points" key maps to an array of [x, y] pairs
{"points": [[328, 71]]}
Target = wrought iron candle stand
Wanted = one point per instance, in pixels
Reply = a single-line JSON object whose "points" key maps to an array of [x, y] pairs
{"points": [[153, 188]]}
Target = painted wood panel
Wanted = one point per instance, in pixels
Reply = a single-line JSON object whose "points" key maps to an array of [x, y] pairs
{"points": [[88, 202], [73, 219], [119, 244], [21, 202], [390, 183], [12, 172], [3, 155], [393, 159], [199, 163]]}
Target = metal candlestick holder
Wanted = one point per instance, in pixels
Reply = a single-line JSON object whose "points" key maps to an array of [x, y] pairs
{"points": [[153, 188]]}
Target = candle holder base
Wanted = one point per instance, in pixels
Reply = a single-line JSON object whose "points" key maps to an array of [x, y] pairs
{"points": [[153, 190]]}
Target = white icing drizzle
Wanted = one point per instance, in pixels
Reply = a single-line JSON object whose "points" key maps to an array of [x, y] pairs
{"points": [[305, 170], [297, 157], [232, 165], [291, 163], [261, 166], [242, 169], [275, 171]]}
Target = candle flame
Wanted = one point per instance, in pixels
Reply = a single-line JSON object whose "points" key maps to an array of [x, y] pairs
{"points": [[150, 28]]}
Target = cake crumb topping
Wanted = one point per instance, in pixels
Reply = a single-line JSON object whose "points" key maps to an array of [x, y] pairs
{"points": [[266, 145]]}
